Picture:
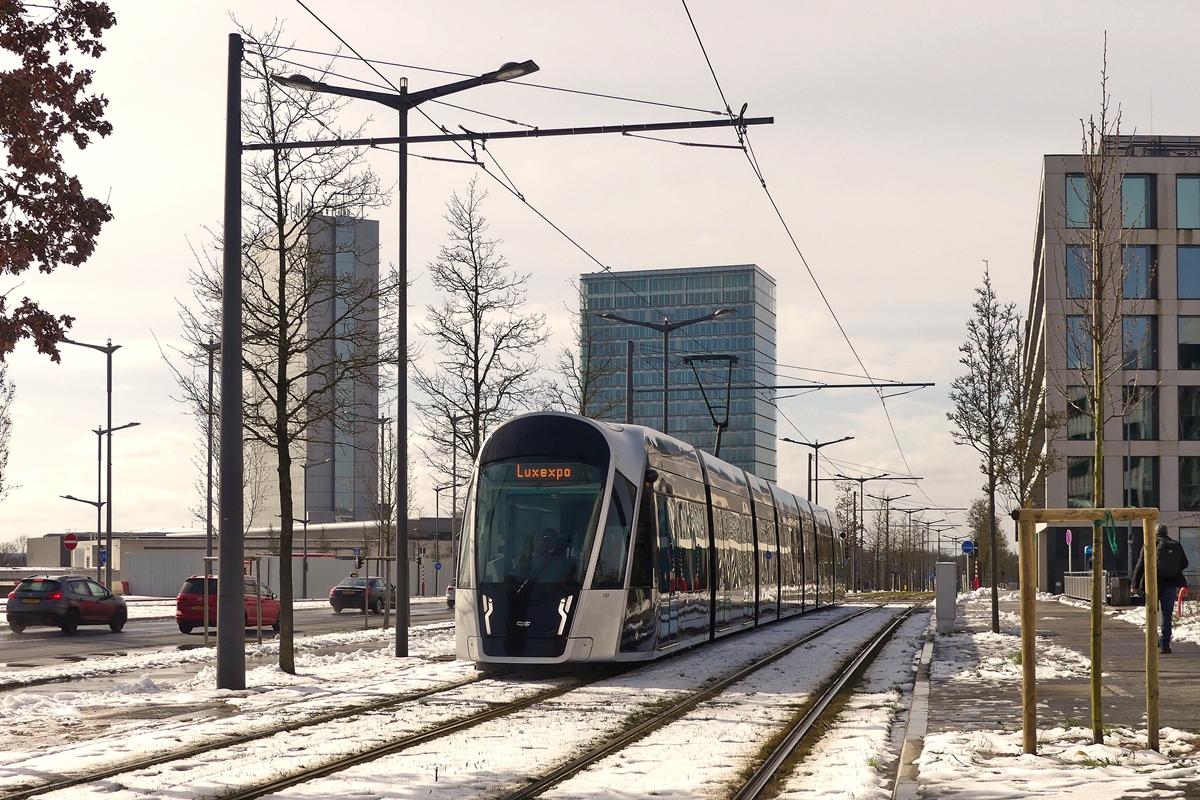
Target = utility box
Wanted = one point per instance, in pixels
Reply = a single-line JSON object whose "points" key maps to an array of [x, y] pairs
{"points": [[1118, 591], [946, 582]]}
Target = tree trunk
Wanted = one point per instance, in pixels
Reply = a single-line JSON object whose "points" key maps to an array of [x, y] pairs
{"points": [[993, 550]]}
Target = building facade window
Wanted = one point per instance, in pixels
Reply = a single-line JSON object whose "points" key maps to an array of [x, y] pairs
{"points": [[1079, 482], [1189, 483], [1079, 272], [1139, 347], [1079, 347], [1137, 201], [1141, 481], [1187, 261], [1141, 420], [1079, 414], [1187, 201], [1189, 342], [1189, 413], [1138, 265], [1079, 201]]}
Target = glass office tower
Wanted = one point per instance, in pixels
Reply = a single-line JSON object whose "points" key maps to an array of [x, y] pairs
{"points": [[679, 295]]}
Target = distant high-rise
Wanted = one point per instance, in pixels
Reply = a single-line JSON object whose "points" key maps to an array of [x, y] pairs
{"points": [[341, 453], [682, 294]]}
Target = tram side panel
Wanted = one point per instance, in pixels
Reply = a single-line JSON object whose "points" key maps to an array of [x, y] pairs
{"points": [[766, 547]]}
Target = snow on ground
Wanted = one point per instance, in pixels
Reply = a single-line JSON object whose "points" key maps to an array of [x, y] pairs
{"points": [[153, 710], [856, 758], [711, 741]]}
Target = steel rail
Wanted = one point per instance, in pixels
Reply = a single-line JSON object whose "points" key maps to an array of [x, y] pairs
{"points": [[802, 727], [375, 753], [233, 741], [671, 714]]}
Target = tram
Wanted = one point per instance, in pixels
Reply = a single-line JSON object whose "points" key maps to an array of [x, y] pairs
{"points": [[589, 541]]}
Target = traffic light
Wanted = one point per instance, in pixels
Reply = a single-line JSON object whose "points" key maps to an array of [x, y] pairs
{"points": [[359, 561]]}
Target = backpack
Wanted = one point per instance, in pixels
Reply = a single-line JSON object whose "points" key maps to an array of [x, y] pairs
{"points": [[1170, 559]]}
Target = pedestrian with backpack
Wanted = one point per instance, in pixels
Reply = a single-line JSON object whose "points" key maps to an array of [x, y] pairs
{"points": [[1172, 561]]}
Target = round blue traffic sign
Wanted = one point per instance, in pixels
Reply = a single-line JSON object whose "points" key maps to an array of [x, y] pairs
{"points": [[968, 547], [437, 565], [1068, 537], [1087, 551], [103, 556]]}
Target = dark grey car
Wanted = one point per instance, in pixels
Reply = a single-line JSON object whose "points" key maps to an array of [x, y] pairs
{"points": [[66, 602], [350, 592]]}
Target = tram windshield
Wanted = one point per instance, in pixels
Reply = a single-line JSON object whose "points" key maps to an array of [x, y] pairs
{"points": [[536, 519]]}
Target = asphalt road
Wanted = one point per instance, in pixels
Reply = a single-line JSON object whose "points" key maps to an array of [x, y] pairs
{"points": [[38, 647]]}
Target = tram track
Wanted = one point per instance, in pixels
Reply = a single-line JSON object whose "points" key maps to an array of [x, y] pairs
{"points": [[641, 728], [241, 739], [671, 713], [775, 764]]}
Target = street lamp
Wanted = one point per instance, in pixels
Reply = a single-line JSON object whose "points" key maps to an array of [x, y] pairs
{"points": [[887, 531], [108, 349], [304, 558], [665, 327], [211, 348], [402, 102], [98, 503], [814, 490]]}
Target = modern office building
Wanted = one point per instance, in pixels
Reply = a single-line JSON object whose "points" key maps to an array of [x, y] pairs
{"points": [[1152, 434], [679, 295], [334, 473]]}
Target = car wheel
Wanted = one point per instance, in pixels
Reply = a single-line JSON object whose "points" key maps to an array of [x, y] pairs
{"points": [[185, 628], [118, 620], [71, 623], [16, 627], [275, 626], [377, 607], [337, 609]]}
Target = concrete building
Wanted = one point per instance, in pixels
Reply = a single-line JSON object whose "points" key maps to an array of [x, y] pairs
{"points": [[1152, 452], [681, 294], [156, 562], [334, 474]]}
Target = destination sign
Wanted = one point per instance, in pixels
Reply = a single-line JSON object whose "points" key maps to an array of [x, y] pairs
{"points": [[544, 472]]}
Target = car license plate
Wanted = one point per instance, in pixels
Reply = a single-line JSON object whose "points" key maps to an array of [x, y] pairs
{"points": [[31, 600], [197, 608], [348, 591]]}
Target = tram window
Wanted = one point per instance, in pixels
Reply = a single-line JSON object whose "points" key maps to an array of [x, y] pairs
{"points": [[466, 547], [666, 546], [535, 521], [641, 576], [614, 547]]}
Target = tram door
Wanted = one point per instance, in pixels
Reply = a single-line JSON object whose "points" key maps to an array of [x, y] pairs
{"points": [[669, 595]]}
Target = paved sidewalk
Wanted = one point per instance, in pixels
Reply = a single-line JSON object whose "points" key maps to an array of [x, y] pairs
{"points": [[1061, 700]]}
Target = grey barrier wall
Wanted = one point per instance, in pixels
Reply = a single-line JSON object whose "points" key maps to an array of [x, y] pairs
{"points": [[161, 574]]}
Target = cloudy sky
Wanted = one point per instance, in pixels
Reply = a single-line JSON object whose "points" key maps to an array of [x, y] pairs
{"points": [[906, 151]]}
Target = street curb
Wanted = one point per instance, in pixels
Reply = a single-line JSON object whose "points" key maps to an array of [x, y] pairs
{"points": [[914, 731]]}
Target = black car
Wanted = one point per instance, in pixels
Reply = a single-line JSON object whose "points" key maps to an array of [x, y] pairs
{"points": [[350, 592], [64, 601]]}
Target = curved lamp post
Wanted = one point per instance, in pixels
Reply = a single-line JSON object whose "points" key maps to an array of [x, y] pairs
{"points": [[665, 327], [403, 102]]}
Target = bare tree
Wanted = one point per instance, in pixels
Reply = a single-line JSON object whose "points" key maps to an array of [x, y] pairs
{"points": [[1027, 458], [583, 367], [12, 552], [983, 403], [485, 367], [8, 391], [309, 333]]}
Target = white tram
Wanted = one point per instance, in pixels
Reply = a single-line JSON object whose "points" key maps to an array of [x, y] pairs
{"points": [[592, 541]]}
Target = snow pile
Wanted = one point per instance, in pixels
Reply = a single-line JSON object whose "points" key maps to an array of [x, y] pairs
{"points": [[1068, 765]]}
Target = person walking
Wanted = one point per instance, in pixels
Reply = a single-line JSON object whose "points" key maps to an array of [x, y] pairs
{"points": [[1172, 561]]}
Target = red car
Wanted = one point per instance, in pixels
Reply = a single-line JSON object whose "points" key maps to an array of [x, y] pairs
{"points": [[189, 605]]}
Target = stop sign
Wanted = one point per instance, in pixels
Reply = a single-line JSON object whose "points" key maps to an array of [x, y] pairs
{"points": [[70, 540]]}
